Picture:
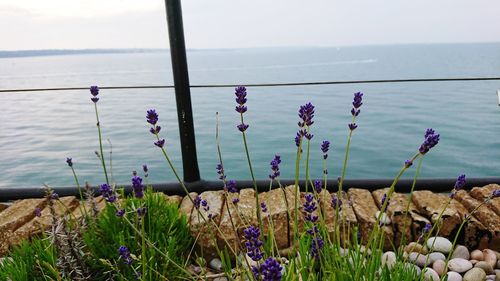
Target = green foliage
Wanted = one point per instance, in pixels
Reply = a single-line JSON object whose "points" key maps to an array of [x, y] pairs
{"points": [[163, 225], [30, 261]]}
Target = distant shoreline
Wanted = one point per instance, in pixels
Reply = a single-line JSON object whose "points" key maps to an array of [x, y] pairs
{"points": [[62, 52], [59, 52]]}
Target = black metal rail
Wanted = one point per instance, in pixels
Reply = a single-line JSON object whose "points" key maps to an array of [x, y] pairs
{"points": [[284, 84], [404, 186]]}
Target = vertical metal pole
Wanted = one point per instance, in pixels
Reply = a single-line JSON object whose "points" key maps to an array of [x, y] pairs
{"points": [[182, 90]]}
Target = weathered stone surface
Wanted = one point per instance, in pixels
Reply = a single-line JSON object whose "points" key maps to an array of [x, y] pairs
{"points": [[474, 234], [485, 266], [432, 206], [174, 199], [481, 193], [397, 212], [484, 214], [19, 213], [65, 205], [230, 221], [277, 216], [3, 207], [186, 206], [203, 222], [346, 215], [364, 207]]}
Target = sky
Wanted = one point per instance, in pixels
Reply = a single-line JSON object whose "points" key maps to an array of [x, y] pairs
{"points": [[208, 24]]}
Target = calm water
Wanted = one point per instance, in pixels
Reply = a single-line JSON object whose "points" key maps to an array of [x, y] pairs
{"points": [[39, 130]]}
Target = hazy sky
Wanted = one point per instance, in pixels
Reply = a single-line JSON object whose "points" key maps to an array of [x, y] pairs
{"points": [[49, 24]]}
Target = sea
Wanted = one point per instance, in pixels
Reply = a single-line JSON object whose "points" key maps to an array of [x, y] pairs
{"points": [[39, 130]]}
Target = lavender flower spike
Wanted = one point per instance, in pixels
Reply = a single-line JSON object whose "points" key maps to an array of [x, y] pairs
{"points": [[460, 183], [69, 161], [137, 186], [306, 113], [309, 208], [253, 243], [197, 201], [94, 91], [431, 140], [384, 198], [318, 186], [496, 193], [271, 270], [107, 193], [336, 202], [38, 212], [263, 207], [231, 186], [325, 146], [160, 143], [275, 167], [124, 253], [152, 117]]}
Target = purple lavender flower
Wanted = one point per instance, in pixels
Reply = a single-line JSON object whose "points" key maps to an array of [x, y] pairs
{"points": [[384, 198], [69, 161], [220, 171], [141, 212], [352, 126], [336, 202], [308, 136], [316, 246], [431, 140], [460, 183], [160, 143], [271, 270], [94, 90], [124, 253], [325, 146], [496, 193], [275, 167], [231, 186], [242, 127], [38, 212], [107, 193], [253, 243], [309, 208], [155, 130], [205, 205], [298, 137], [408, 163], [356, 103], [197, 201], [145, 169], [54, 196], [427, 228], [263, 207], [241, 93], [120, 213], [236, 200], [138, 187], [306, 113], [318, 186], [152, 117]]}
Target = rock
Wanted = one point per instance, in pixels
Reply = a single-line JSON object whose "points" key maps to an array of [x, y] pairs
{"points": [[453, 276], [433, 257], [215, 264], [490, 277], [389, 259], [461, 252], [488, 269], [459, 265], [415, 247], [410, 266], [490, 257], [439, 244], [475, 274], [223, 278], [439, 266], [477, 255], [430, 274], [473, 262], [384, 218], [418, 259], [431, 205], [497, 274], [498, 263]]}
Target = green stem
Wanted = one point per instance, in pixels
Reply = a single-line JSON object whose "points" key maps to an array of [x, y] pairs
{"points": [[259, 218], [297, 193], [100, 143], [77, 183], [307, 160], [345, 158]]}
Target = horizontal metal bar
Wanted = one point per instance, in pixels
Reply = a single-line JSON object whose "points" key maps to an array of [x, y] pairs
{"points": [[286, 84], [404, 186]]}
